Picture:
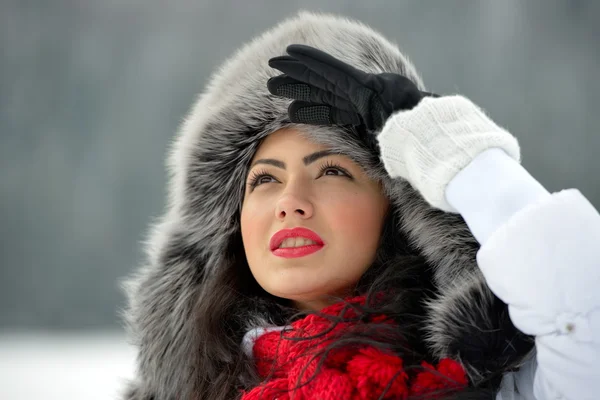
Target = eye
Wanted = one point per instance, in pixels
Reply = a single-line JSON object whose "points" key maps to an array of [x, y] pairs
{"points": [[258, 178], [331, 166]]}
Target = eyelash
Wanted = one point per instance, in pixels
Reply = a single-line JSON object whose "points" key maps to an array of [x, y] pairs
{"points": [[257, 175]]}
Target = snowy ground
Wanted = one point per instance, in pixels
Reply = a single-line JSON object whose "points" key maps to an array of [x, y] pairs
{"points": [[36, 366]]}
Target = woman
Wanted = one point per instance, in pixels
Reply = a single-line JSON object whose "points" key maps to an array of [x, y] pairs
{"points": [[429, 263]]}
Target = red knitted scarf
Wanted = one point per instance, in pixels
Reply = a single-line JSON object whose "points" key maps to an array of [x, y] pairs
{"points": [[300, 370]]}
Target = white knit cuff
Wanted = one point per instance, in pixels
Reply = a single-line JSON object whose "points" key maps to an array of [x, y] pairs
{"points": [[431, 143]]}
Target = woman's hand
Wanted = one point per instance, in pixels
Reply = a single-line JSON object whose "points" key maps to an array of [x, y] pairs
{"points": [[423, 138], [328, 91]]}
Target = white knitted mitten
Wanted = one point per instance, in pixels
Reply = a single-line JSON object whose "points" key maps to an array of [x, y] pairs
{"points": [[431, 143]]}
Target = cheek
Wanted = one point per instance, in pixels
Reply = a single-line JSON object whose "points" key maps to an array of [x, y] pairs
{"points": [[255, 220], [358, 217]]}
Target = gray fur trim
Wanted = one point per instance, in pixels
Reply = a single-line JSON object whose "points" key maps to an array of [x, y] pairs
{"points": [[208, 163]]}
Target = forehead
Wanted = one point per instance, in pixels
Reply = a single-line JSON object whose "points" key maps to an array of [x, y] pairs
{"points": [[288, 140]]}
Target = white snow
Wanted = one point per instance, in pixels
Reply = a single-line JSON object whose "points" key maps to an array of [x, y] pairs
{"points": [[64, 366]]}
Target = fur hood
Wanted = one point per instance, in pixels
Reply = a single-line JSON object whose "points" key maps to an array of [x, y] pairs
{"points": [[208, 164]]}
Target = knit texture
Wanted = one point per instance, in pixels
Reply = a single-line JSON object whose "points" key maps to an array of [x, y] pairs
{"points": [[300, 369], [431, 143]]}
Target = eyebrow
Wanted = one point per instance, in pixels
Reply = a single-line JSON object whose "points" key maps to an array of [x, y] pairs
{"points": [[309, 159]]}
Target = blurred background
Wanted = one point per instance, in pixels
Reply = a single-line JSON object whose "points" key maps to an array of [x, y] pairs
{"points": [[91, 93]]}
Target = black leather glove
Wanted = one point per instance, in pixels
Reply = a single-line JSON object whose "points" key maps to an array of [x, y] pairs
{"points": [[328, 91]]}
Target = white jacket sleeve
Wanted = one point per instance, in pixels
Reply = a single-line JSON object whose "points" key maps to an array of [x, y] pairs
{"points": [[540, 254]]}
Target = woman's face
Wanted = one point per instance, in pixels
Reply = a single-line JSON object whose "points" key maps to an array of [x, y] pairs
{"points": [[293, 183]]}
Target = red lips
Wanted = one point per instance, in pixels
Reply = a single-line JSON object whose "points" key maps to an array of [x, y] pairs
{"points": [[283, 234]]}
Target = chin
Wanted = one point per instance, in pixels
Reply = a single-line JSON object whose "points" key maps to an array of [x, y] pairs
{"points": [[309, 296]]}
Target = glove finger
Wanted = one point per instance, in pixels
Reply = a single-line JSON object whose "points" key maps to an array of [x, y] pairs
{"points": [[286, 86], [303, 112], [332, 69], [430, 94], [299, 71], [317, 59], [281, 59]]}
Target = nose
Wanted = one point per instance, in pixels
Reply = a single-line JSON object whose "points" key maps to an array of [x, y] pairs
{"points": [[291, 205]]}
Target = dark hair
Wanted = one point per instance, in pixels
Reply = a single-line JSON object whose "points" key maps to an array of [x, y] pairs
{"points": [[233, 301]]}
